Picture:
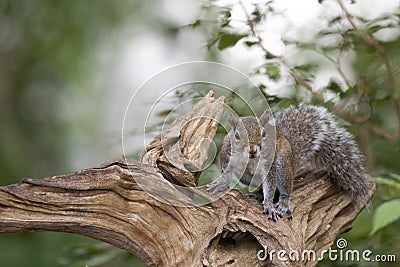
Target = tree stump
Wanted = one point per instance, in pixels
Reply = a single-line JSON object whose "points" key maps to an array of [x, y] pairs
{"points": [[107, 203]]}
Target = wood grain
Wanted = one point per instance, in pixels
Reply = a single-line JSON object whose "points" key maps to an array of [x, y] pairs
{"points": [[106, 203]]}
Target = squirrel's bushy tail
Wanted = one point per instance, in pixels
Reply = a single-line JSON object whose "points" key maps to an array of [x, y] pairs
{"points": [[316, 138]]}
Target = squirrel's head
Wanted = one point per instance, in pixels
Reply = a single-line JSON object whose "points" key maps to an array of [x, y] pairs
{"points": [[248, 133]]}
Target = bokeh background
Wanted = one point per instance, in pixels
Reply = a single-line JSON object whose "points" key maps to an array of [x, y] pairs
{"points": [[69, 67]]}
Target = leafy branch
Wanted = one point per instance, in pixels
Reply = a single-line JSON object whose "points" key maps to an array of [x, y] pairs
{"points": [[268, 54], [380, 50], [338, 110], [371, 41]]}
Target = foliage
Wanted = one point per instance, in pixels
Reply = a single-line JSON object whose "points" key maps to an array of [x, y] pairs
{"points": [[386, 214], [363, 59], [47, 53], [98, 254], [389, 211]]}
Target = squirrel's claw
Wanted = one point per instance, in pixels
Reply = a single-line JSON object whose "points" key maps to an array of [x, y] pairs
{"points": [[272, 215], [282, 209], [271, 212]]}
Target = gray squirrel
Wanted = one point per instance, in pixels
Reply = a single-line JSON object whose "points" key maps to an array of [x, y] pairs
{"points": [[305, 136]]}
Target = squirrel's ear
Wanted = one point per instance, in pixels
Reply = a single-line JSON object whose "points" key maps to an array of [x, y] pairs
{"points": [[233, 120], [265, 117]]}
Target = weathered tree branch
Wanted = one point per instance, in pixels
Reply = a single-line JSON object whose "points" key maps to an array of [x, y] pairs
{"points": [[106, 203]]}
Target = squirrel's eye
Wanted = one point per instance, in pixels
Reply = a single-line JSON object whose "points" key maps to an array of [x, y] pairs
{"points": [[237, 137], [263, 133]]}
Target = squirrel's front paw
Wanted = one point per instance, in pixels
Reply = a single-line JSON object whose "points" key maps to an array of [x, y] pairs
{"points": [[282, 208], [271, 212]]}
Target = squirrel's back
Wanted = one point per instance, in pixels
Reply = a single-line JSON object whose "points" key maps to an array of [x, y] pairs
{"points": [[317, 139]]}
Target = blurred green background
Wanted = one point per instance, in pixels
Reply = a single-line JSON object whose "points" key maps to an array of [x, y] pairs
{"points": [[67, 71], [69, 67]]}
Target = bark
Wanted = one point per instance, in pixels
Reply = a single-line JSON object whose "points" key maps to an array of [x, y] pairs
{"points": [[108, 203]]}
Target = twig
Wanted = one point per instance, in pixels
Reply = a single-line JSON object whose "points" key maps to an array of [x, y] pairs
{"points": [[340, 70], [396, 103], [300, 80], [337, 65], [337, 110], [382, 134], [371, 41]]}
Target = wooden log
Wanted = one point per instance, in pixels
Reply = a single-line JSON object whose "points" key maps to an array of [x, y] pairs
{"points": [[107, 203]]}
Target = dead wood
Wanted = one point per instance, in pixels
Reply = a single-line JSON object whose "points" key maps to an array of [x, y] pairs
{"points": [[108, 204]]}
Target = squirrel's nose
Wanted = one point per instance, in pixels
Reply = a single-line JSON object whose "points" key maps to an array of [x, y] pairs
{"points": [[253, 151]]}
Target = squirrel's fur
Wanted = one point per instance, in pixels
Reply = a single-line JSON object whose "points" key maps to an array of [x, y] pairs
{"points": [[305, 136], [317, 139]]}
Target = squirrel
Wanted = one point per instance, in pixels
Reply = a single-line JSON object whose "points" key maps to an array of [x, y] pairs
{"points": [[305, 136]]}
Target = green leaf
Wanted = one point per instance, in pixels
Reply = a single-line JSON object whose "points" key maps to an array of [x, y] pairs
{"points": [[256, 12], [228, 40], [227, 14], [273, 71], [257, 15], [226, 18], [308, 67], [385, 214], [269, 56], [250, 43], [262, 87], [379, 20], [327, 32], [395, 176], [389, 182], [350, 92], [195, 24], [374, 29], [334, 86], [307, 71], [335, 20]]}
